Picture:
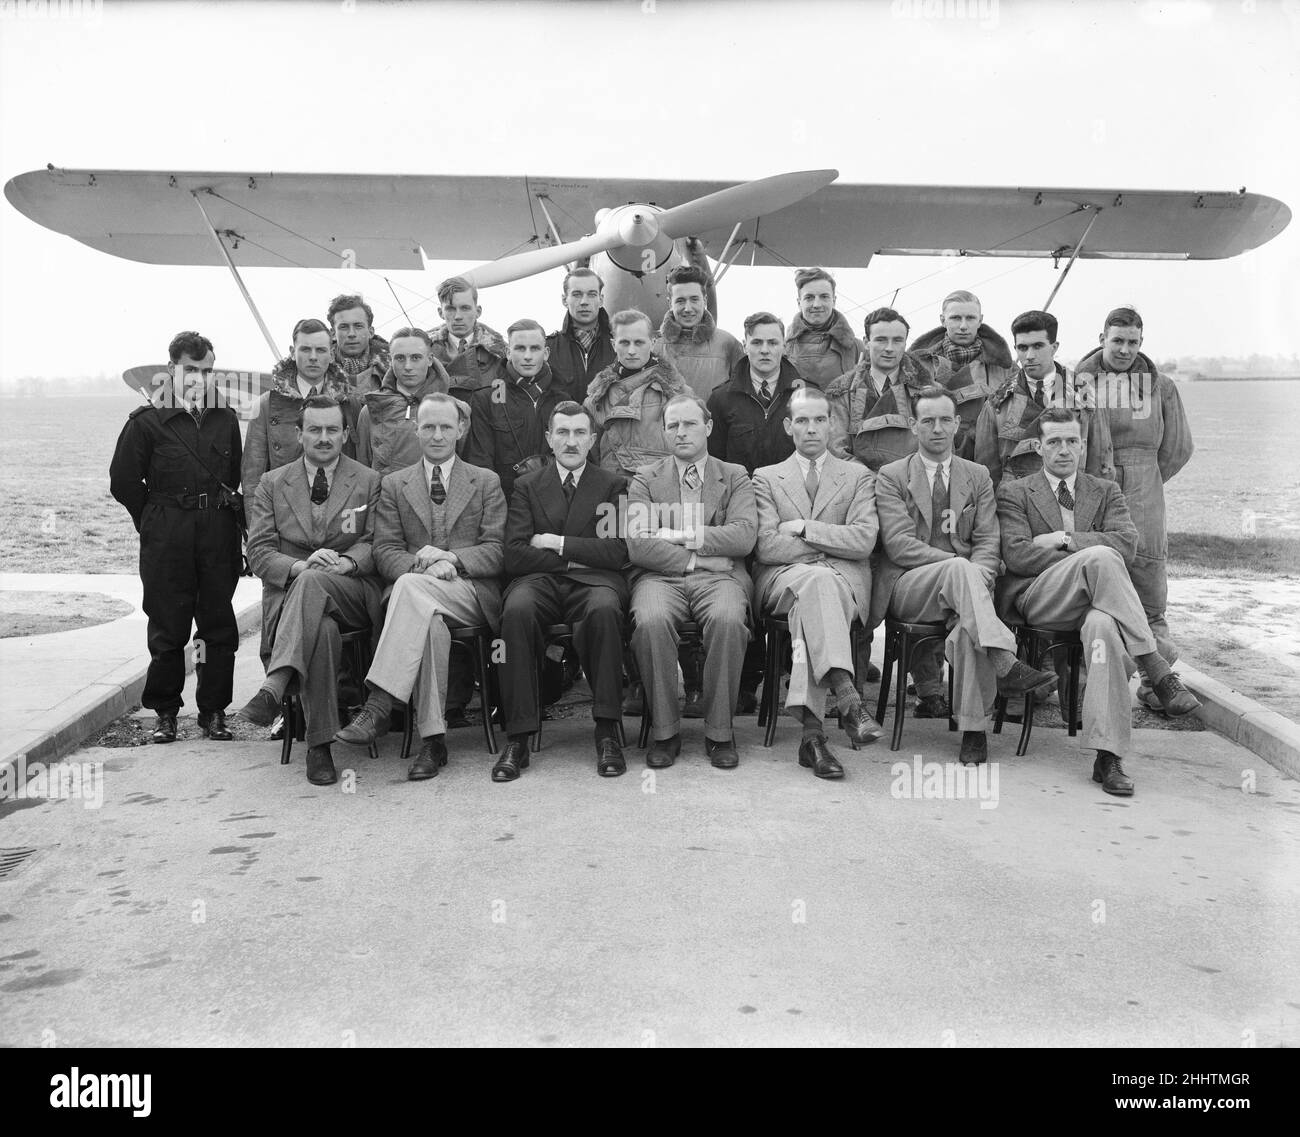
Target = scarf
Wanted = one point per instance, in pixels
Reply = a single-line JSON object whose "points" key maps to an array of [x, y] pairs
{"points": [[353, 367], [959, 357]]}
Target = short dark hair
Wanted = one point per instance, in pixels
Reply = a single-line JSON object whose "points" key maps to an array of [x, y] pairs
{"points": [[418, 333], [685, 398], [934, 391], [1057, 414], [569, 407], [193, 344], [453, 284], [806, 276], [345, 302], [524, 325], [309, 326], [883, 316], [1124, 317], [752, 322], [1034, 321], [689, 274], [320, 403]]}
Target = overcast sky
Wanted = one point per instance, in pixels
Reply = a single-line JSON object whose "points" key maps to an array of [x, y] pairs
{"points": [[1140, 95]]}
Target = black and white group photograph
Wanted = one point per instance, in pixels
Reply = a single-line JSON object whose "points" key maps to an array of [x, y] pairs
{"points": [[650, 524]]}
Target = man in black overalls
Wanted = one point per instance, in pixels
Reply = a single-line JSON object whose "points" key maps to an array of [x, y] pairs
{"points": [[171, 461]]}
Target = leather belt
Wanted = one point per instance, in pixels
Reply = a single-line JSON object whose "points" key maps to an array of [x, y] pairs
{"points": [[188, 501]]}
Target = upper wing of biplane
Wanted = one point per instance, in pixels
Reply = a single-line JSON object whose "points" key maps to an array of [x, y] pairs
{"points": [[383, 221]]}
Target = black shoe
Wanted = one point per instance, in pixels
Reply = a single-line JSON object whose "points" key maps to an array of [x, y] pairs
{"points": [[974, 747], [456, 717], [722, 754], [214, 726], [609, 758], [513, 759], [662, 752], [860, 727], [817, 755], [693, 708], [1107, 770], [747, 703], [1023, 680], [365, 728], [432, 757], [872, 674], [634, 701], [164, 729], [1175, 699], [932, 707], [320, 766], [261, 709]]}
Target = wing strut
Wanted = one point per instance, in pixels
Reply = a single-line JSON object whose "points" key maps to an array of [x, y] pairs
{"points": [[230, 264], [723, 263], [1096, 212]]}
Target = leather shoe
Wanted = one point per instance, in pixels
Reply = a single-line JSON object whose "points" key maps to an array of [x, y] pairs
{"points": [[693, 708], [261, 709], [1024, 680], [860, 727], [722, 754], [816, 754], [455, 717], [634, 700], [663, 751], [1175, 699], [213, 724], [513, 759], [932, 707], [320, 766], [1107, 770], [974, 748], [164, 729], [365, 727], [747, 703], [609, 758], [432, 757], [872, 674]]}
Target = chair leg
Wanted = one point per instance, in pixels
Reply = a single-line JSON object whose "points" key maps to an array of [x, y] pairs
{"points": [[1027, 722], [900, 693], [772, 678], [952, 702], [408, 735], [483, 665], [286, 712], [762, 702], [1072, 708], [885, 676], [622, 738]]}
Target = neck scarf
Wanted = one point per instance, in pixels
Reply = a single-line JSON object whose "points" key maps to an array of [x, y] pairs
{"points": [[960, 356]]}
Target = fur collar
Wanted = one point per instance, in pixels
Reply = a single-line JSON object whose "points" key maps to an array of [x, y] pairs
{"points": [[996, 350], [658, 370], [483, 337], [673, 332], [839, 330], [285, 380]]}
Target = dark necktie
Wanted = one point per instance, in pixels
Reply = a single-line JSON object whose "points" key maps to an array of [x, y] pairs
{"points": [[939, 528], [691, 478], [765, 393], [1064, 496], [320, 488], [437, 491], [1038, 392], [313, 392], [810, 483], [570, 488]]}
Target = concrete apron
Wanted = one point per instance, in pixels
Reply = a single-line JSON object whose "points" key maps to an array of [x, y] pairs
{"points": [[216, 898]]}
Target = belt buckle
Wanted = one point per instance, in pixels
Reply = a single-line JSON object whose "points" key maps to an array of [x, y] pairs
{"points": [[203, 501]]}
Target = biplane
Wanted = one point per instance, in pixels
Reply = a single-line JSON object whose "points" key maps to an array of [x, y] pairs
{"points": [[633, 232]]}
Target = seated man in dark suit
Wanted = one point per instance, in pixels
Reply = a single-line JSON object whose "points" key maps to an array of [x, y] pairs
{"points": [[311, 526], [566, 559], [939, 532], [438, 538], [816, 530], [1068, 539], [691, 524]]}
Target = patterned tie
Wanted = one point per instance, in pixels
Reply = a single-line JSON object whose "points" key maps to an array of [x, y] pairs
{"points": [[437, 491], [1064, 496], [570, 488], [1038, 393], [313, 392], [765, 393], [691, 479], [320, 488], [810, 482]]}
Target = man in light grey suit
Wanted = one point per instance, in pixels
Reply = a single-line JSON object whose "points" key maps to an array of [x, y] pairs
{"points": [[310, 531], [438, 538], [939, 531], [816, 529], [1068, 539], [691, 524]]}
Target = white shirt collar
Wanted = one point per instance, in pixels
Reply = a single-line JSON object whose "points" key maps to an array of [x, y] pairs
{"points": [[931, 465], [577, 474], [884, 380], [804, 463], [698, 464], [771, 380], [312, 467], [445, 467], [1053, 482], [304, 387]]}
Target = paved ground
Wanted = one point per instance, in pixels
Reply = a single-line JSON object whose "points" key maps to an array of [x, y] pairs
{"points": [[216, 898]]}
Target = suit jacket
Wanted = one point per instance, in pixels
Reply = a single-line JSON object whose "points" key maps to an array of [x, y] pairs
{"points": [[1027, 508], [476, 527], [841, 532], [280, 532], [903, 502], [590, 527], [727, 522]]}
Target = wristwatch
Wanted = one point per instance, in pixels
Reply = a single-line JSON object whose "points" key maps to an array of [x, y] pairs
{"points": [[1065, 541]]}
